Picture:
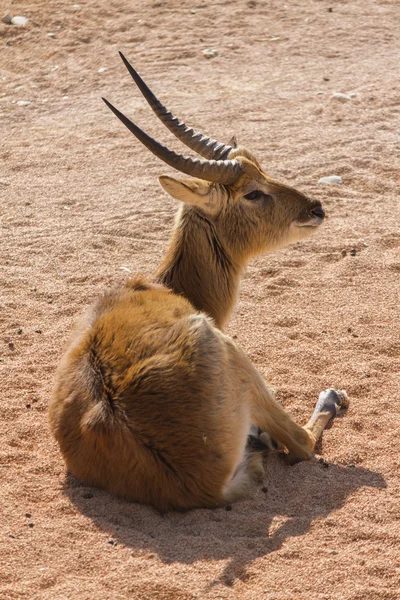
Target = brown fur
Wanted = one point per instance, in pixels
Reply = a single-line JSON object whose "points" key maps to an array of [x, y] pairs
{"points": [[152, 401]]}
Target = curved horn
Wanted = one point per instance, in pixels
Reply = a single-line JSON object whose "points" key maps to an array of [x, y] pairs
{"points": [[216, 171], [205, 146]]}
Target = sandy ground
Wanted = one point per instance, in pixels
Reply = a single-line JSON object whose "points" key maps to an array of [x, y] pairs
{"points": [[81, 207]]}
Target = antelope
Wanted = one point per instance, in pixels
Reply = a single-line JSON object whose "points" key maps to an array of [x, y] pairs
{"points": [[152, 400]]}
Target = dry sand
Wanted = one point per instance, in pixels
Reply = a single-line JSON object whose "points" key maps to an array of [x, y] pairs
{"points": [[80, 206]]}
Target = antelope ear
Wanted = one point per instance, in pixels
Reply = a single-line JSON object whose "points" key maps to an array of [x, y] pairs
{"points": [[192, 191]]}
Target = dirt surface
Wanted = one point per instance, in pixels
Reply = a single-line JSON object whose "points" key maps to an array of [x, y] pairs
{"points": [[81, 208]]}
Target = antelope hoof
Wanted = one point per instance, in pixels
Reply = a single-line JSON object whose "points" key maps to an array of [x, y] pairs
{"points": [[331, 401]]}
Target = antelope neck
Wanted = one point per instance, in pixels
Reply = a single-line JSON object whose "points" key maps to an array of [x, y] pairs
{"points": [[198, 266]]}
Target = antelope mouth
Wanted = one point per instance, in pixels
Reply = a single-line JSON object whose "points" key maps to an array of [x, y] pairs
{"points": [[313, 222], [314, 218]]}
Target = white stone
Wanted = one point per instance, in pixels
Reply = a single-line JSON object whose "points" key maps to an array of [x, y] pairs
{"points": [[210, 53], [23, 103], [102, 70], [19, 21], [331, 179], [340, 97]]}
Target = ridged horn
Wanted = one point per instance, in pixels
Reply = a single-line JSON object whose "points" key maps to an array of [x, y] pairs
{"points": [[216, 171], [205, 146]]}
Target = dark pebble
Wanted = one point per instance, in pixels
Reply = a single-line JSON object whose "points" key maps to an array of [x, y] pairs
{"points": [[323, 463], [35, 399], [11, 345], [228, 507], [111, 542], [28, 405], [19, 330], [353, 251], [38, 331], [264, 489], [330, 9], [31, 524], [11, 535], [28, 515]]}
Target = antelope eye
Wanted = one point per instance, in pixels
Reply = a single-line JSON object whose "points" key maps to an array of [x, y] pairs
{"points": [[257, 195]]}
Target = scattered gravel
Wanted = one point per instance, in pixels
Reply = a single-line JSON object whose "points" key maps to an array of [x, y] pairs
{"points": [[331, 179], [19, 21], [210, 53], [341, 97]]}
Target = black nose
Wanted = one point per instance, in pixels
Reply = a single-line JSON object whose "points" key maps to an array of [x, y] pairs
{"points": [[318, 211]]}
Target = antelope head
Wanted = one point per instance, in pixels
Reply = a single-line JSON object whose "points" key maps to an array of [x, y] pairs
{"points": [[246, 211]]}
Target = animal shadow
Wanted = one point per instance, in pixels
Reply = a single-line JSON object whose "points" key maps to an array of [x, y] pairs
{"points": [[285, 506]]}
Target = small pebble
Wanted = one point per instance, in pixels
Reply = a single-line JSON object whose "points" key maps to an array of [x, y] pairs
{"points": [[111, 542], [340, 97], [332, 551], [35, 399], [28, 515], [23, 103], [31, 524], [11, 345], [351, 466], [102, 70], [264, 489], [343, 253], [38, 331], [331, 179], [19, 21], [19, 330], [7, 19], [353, 251], [326, 78], [330, 9], [11, 535], [228, 507], [28, 405], [210, 53], [51, 35]]}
